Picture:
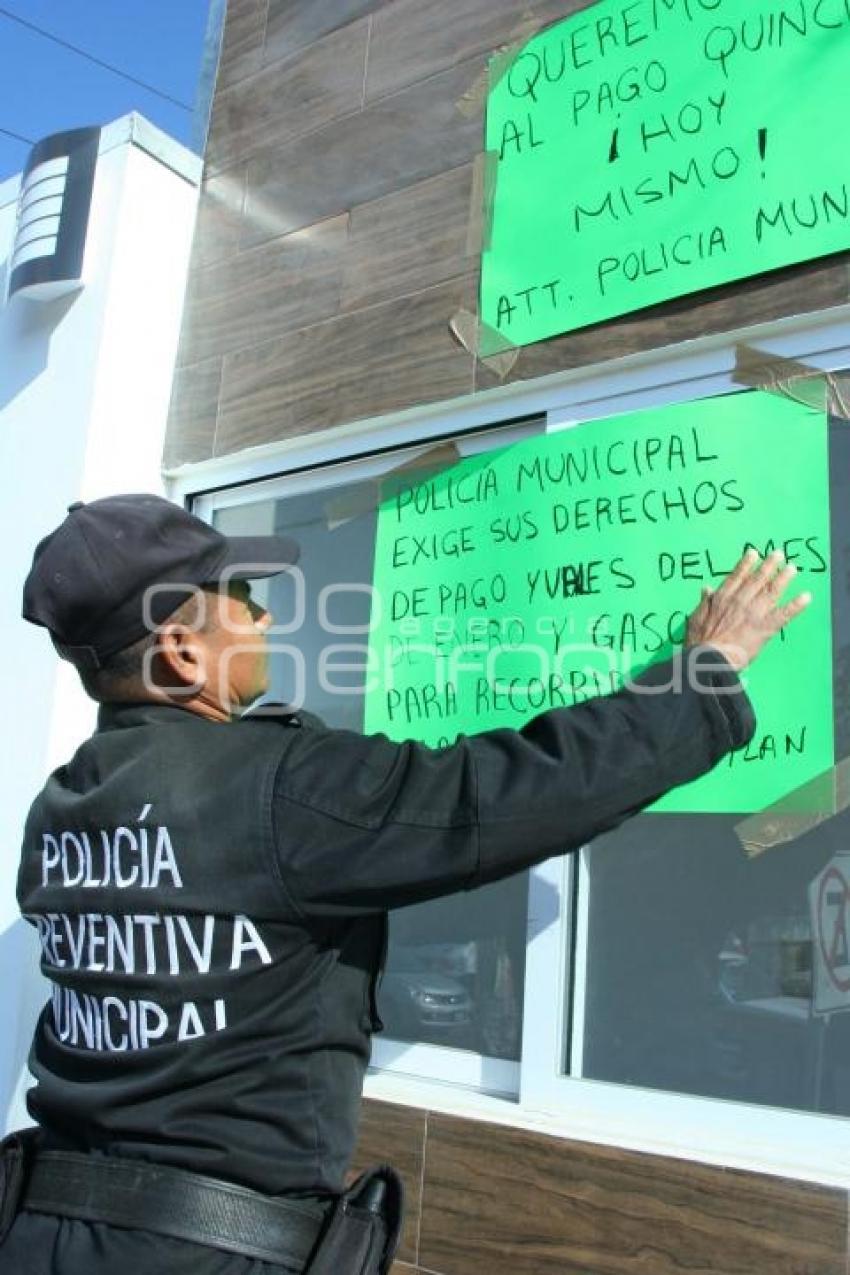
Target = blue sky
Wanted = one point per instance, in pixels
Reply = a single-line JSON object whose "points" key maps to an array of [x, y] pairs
{"points": [[45, 89]]}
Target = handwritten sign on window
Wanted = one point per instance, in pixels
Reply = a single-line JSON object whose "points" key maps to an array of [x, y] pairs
{"points": [[650, 149], [548, 572]]}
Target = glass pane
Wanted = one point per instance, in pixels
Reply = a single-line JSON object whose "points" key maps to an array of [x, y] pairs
{"points": [[700, 961], [455, 966], [456, 970]]}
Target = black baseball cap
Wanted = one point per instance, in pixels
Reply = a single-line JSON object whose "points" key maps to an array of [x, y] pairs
{"points": [[89, 578]]}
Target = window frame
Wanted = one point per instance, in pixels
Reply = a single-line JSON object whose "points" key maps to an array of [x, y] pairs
{"points": [[534, 1094]]}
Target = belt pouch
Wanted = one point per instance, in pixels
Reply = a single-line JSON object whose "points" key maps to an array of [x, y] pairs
{"points": [[362, 1235], [15, 1155]]}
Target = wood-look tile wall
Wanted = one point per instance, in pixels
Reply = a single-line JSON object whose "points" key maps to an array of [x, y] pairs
{"points": [[331, 246], [487, 1200]]}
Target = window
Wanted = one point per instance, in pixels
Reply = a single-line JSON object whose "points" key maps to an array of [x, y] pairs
{"points": [[699, 961], [627, 989], [454, 980]]}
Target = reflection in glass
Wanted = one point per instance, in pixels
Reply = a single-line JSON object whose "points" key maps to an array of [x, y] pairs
{"points": [[700, 966], [468, 953]]}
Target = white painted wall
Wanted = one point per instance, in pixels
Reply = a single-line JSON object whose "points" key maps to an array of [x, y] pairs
{"points": [[84, 389]]}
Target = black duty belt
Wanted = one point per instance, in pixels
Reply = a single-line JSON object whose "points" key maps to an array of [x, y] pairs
{"points": [[173, 1202]]}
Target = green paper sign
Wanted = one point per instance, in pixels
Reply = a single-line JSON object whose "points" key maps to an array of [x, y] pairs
{"points": [[650, 149], [546, 573]]}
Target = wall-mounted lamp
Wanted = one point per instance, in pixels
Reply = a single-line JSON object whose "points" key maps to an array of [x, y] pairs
{"points": [[53, 215]]}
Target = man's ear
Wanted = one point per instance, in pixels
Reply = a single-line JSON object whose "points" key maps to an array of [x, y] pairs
{"points": [[180, 661]]}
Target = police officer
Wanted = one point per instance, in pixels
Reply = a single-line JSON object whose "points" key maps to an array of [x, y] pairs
{"points": [[210, 893]]}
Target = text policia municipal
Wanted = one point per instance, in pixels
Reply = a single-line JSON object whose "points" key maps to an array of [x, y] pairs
{"points": [[94, 865], [627, 463]]}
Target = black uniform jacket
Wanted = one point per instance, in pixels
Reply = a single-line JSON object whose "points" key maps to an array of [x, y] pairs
{"points": [[211, 897]]}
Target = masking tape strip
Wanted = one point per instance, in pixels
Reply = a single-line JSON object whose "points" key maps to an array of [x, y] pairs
{"points": [[357, 500], [525, 30], [493, 344], [476, 337], [479, 230], [838, 402], [472, 102], [365, 497], [484, 342], [760, 370], [799, 812]]}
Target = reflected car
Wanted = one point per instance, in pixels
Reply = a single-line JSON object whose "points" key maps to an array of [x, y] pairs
{"points": [[417, 1001]]}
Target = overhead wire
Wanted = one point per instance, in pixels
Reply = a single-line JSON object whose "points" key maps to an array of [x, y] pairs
{"points": [[7, 132], [107, 66]]}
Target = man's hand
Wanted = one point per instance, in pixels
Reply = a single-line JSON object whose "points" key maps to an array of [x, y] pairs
{"points": [[744, 613]]}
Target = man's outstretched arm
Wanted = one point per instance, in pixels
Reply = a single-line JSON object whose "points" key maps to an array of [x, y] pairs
{"points": [[362, 824]]}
